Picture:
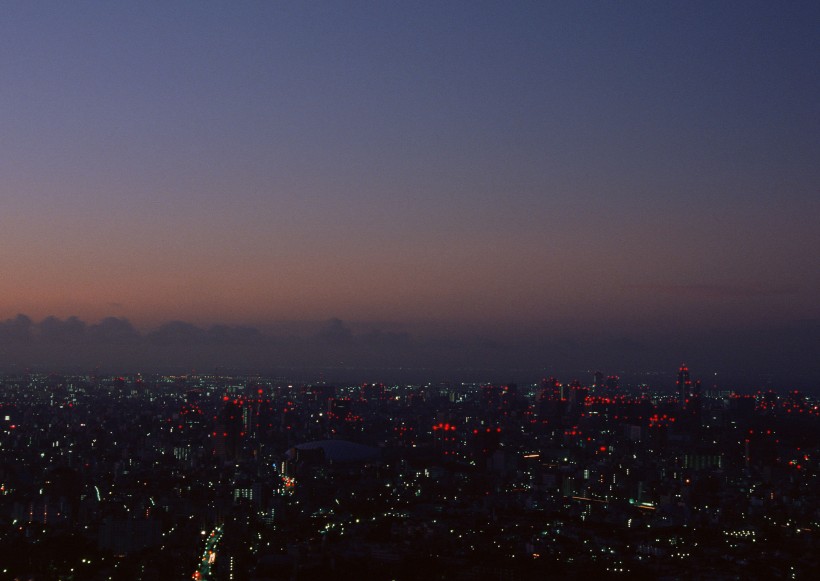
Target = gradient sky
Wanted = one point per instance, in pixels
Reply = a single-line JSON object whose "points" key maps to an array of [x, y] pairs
{"points": [[645, 165]]}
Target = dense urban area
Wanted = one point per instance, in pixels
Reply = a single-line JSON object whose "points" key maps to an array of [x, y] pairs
{"points": [[257, 478]]}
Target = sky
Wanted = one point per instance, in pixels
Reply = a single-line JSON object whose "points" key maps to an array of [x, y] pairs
{"points": [[536, 172]]}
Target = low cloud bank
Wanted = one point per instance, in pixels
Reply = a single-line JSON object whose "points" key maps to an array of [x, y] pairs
{"points": [[781, 356]]}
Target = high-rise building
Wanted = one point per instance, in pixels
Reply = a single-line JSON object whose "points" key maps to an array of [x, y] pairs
{"points": [[683, 385], [613, 384]]}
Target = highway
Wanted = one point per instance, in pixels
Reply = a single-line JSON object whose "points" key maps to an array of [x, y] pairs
{"points": [[206, 563]]}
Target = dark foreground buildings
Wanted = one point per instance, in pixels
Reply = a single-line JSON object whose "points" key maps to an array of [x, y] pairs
{"points": [[253, 478]]}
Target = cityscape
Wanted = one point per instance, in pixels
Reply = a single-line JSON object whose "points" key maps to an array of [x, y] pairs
{"points": [[208, 476], [409, 290]]}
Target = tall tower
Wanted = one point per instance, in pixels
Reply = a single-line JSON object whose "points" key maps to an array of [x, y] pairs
{"points": [[598, 381], [683, 385]]}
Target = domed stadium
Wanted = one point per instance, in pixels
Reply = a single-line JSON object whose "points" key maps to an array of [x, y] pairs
{"points": [[337, 451]]}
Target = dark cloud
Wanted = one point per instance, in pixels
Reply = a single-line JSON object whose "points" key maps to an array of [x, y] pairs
{"points": [[18, 328], [242, 335], [56, 330], [113, 330], [177, 332], [391, 339], [358, 351], [335, 332]]}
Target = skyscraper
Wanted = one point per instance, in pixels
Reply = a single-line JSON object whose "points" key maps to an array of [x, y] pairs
{"points": [[683, 385], [597, 381]]}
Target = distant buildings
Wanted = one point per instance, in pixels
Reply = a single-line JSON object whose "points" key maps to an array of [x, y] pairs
{"points": [[246, 477]]}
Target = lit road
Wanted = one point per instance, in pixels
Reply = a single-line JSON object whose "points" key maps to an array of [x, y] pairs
{"points": [[203, 572]]}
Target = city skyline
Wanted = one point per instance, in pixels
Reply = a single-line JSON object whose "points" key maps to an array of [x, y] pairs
{"points": [[590, 182], [246, 477]]}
